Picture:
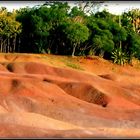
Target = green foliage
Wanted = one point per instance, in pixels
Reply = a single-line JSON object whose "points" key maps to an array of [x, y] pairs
{"points": [[103, 15], [97, 42], [74, 66], [119, 33], [134, 45], [9, 30], [76, 33], [101, 36], [131, 19], [75, 11], [119, 57], [102, 24]]}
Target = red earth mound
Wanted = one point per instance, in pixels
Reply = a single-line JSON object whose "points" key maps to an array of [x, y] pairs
{"points": [[39, 100]]}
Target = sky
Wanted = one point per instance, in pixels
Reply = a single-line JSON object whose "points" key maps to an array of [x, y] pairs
{"points": [[117, 7], [114, 7]]}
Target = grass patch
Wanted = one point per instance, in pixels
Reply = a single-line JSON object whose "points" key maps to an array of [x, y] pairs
{"points": [[68, 61], [63, 61], [74, 66]]}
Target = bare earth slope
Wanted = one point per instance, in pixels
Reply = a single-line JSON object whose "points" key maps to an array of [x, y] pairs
{"points": [[40, 100]]}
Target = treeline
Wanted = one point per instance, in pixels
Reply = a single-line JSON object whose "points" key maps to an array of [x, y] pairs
{"points": [[55, 28]]}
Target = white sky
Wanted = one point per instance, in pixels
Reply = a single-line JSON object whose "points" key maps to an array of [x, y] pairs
{"points": [[115, 7], [10, 5]]}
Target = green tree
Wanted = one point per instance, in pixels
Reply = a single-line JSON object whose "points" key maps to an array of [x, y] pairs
{"points": [[101, 37], [76, 33], [132, 43], [133, 16], [56, 16], [9, 30], [132, 46], [35, 31]]}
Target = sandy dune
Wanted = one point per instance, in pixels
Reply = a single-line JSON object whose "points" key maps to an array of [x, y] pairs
{"points": [[40, 100]]}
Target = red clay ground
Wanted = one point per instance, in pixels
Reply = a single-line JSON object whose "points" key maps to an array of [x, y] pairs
{"points": [[57, 96]]}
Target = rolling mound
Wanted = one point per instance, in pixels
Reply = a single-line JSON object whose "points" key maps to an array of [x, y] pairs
{"points": [[38, 99]]}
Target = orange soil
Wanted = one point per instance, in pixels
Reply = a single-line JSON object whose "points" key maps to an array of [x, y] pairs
{"points": [[38, 99]]}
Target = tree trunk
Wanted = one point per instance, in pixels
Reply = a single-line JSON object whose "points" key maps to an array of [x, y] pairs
{"points": [[102, 53], [14, 44], [19, 44], [8, 45], [73, 51], [4, 46], [1, 46]]}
